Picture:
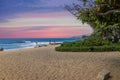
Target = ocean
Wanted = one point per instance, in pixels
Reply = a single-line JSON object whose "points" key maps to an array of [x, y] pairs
{"points": [[21, 43]]}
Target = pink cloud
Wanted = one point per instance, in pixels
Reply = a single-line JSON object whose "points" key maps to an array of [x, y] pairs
{"points": [[44, 32]]}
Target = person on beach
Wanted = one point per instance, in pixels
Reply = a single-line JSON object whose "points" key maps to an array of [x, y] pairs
{"points": [[1, 49], [49, 42], [36, 44]]}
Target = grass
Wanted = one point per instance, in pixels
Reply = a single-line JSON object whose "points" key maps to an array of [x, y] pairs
{"points": [[89, 45]]}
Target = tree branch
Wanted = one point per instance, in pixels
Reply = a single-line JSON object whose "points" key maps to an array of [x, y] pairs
{"points": [[110, 11]]}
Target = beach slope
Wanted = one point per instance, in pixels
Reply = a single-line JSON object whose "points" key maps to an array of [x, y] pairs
{"points": [[45, 63]]}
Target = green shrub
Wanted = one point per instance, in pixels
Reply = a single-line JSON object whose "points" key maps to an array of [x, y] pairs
{"points": [[67, 44], [89, 48], [91, 44], [71, 49], [92, 41]]}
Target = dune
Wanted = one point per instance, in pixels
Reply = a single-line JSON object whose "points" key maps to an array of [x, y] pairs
{"points": [[45, 63]]}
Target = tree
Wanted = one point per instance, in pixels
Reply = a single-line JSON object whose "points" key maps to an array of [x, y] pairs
{"points": [[102, 15]]}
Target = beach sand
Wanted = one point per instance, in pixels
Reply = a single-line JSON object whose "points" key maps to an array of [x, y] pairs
{"points": [[45, 63]]}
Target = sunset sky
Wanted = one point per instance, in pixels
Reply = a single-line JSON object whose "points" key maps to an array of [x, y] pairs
{"points": [[39, 19]]}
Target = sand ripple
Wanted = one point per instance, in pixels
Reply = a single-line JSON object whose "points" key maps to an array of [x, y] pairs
{"points": [[46, 64]]}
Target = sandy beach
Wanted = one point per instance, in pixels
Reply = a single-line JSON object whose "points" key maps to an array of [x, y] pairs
{"points": [[45, 63]]}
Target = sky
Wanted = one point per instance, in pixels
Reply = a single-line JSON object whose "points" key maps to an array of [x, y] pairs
{"points": [[39, 19]]}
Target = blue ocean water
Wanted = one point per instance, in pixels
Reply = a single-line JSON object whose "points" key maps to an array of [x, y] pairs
{"points": [[21, 43]]}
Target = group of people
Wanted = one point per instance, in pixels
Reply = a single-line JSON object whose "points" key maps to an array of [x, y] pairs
{"points": [[52, 43]]}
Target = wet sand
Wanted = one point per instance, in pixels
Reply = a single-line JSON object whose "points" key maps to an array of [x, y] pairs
{"points": [[45, 63]]}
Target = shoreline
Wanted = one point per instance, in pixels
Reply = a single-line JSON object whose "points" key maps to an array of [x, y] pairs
{"points": [[36, 46], [18, 43], [32, 48]]}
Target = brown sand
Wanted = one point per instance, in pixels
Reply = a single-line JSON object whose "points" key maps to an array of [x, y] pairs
{"points": [[46, 64]]}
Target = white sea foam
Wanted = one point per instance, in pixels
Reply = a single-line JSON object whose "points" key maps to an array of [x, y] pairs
{"points": [[13, 44], [26, 44]]}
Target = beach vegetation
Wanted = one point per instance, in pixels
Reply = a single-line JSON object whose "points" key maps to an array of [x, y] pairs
{"points": [[104, 17], [88, 46]]}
